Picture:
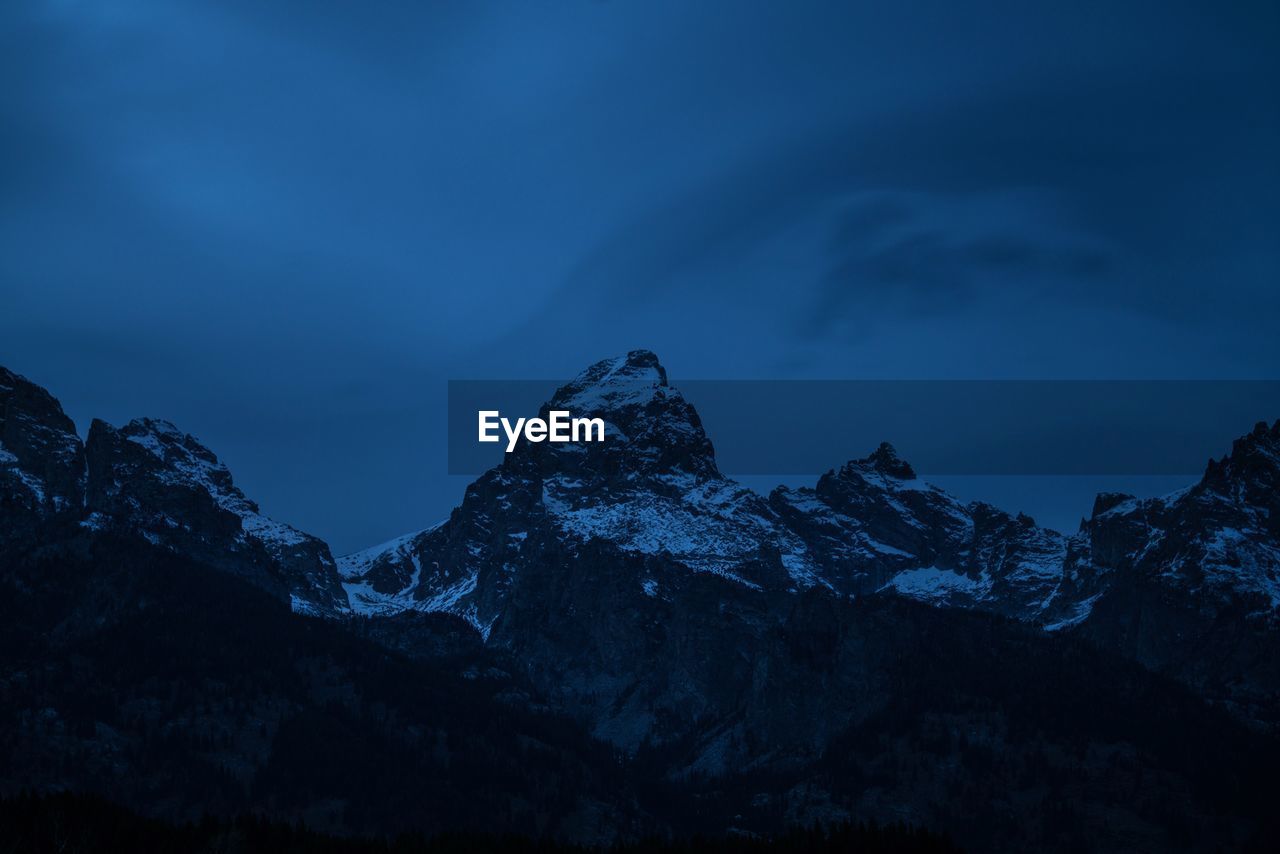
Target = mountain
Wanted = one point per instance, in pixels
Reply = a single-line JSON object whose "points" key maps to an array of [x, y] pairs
{"points": [[178, 689], [616, 638], [147, 479], [649, 516], [1195, 588], [875, 527], [150, 478], [652, 490], [42, 465]]}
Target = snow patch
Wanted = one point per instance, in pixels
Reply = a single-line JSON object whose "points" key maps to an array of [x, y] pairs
{"points": [[931, 583]]}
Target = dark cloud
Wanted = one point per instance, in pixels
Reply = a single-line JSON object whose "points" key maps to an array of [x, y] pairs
{"points": [[899, 257], [285, 224], [1104, 167]]}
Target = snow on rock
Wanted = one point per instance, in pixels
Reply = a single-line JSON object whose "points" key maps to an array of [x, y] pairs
{"points": [[653, 492], [41, 460], [933, 585], [356, 564], [186, 463], [150, 477]]}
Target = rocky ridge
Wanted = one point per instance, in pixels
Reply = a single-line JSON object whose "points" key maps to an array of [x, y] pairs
{"points": [[649, 516], [147, 479], [867, 647], [644, 528]]}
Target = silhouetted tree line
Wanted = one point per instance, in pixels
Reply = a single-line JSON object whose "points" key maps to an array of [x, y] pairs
{"points": [[177, 691], [66, 823]]}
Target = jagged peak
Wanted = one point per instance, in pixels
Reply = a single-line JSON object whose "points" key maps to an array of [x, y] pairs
{"points": [[1107, 501], [649, 426], [610, 384], [1255, 452], [158, 426], [884, 460], [33, 397], [10, 380], [1262, 435], [40, 452], [163, 439], [178, 452]]}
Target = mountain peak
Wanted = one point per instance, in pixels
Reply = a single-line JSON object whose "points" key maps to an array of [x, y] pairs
{"points": [[41, 457], [156, 480], [1254, 461], [633, 379], [886, 461], [643, 359], [650, 427], [156, 426], [173, 446], [1104, 502]]}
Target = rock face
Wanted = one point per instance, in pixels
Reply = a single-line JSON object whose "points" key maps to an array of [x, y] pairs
{"points": [[654, 494], [42, 466], [873, 526], [651, 491], [868, 647], [141, 675], [1196, 577], [146, 479], [1216, 541], [152, 479], [611, 570]]}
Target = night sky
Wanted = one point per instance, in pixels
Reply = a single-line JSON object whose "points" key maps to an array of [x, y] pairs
{"points": [[284, 225]]}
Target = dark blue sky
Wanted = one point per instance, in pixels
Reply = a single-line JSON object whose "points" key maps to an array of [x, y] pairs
{"points": [[283, 225]]}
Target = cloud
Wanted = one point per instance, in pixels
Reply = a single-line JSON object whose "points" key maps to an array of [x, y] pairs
{"points": [[275, 204], [921, 254], [1088, 194]]}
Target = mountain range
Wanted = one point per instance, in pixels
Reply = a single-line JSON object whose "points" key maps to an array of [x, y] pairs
{"points": [[616, 638]]}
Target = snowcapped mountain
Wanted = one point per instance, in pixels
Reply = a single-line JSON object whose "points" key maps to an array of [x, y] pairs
{"points": [[874, 526], [150, 478], [1195, 577], [824, 652], [654, 490], [647, 516], [559, 552], [147, 479], [1216, 540], [651, 489]]}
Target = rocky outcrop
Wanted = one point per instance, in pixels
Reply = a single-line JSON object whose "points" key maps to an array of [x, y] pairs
{"points": [[42, 468], [873, 526], [151, 479], [1195, 588], [651, 490], [579, 559], [823, 653], [147, 479], [608, 570]]}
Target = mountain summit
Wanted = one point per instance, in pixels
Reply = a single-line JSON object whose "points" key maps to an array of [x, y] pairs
{"points": [[645, 522], [147, 479], [41, 460], [829, 652], [150, 478], [651, 489], [647, 514], [651, 428]]}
